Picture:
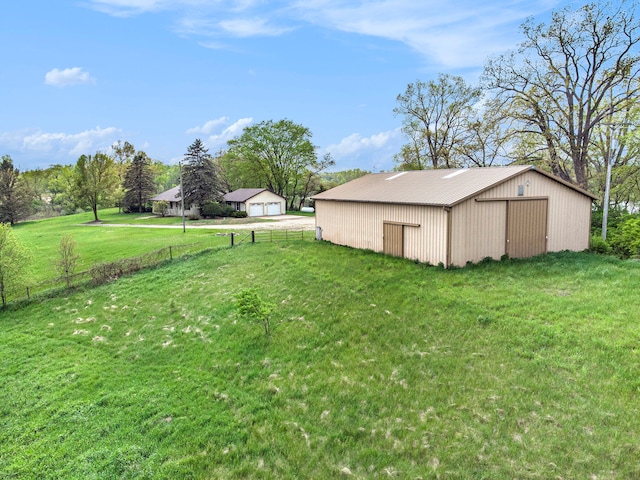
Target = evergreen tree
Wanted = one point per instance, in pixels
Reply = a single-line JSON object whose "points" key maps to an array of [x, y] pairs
{"points": [[202, 177], [15, 199], [139, 183]]}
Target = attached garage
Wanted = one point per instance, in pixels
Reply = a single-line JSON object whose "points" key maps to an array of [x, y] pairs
{"points": [[457, 216], [274, 208], [257, 202], [256, 209]]}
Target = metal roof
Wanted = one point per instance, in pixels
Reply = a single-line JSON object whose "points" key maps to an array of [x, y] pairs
{"points": [[171, 195], [446, 187]]}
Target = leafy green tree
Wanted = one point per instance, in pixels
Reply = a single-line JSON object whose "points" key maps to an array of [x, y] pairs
{"points": [[14, 260], [166, 176], [95, 181], [253, 308], [139, 185], [61, 188], [123, 154], [202, 177], [15, 199], [36, 183], [333, 179], [435, 117], [161, 208], [278, 156], [568, 77]]}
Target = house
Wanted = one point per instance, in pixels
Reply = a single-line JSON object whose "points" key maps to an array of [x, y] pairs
{"points": [[456, 216], [173, 197], [257, 202]]}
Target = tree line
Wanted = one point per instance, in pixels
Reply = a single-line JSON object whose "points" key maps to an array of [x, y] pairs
{"points": [[566, 100], [278, 156]]}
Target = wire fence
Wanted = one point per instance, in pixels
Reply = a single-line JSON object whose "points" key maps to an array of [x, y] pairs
{"points": [[108, 271], [256, 236]]}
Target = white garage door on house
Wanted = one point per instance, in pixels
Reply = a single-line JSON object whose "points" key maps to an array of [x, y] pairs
{"points": [[256, 209], [273, 208]]}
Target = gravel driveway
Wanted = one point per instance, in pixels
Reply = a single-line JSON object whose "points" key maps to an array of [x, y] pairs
{"points": [[282, 222]]}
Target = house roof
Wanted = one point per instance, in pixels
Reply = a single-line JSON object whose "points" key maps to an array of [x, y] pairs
{"points": [[171, 195], [243, 194], [446, 187]]}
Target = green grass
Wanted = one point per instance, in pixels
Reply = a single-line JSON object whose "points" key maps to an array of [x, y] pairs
{"points": [[377, 367], [100, 244], [301, 214]]}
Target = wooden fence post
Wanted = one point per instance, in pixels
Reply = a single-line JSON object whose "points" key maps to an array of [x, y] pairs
{"points": [[253, 236], [232, 239]]}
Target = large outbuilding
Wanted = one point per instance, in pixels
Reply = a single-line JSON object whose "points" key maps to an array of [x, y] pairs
{"points": [[456, 216]]}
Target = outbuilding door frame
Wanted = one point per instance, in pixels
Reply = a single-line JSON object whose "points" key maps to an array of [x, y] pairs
{"points": [[393, 239], [527, 227]]}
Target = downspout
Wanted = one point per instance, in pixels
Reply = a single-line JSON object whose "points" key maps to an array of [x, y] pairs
{"points": [[448, 244]]}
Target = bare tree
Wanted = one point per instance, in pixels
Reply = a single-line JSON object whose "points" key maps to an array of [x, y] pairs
{"points": [[435, 119], [569, 76], [67, 259]]}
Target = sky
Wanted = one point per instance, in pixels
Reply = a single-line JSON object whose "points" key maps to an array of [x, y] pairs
{"points": [[78, 75]]}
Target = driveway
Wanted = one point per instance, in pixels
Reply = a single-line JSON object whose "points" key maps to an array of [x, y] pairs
{"points": [[278, 222], [282, 222]]}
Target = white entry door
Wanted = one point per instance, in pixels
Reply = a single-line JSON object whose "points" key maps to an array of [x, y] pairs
{"points": [[256, 209]]}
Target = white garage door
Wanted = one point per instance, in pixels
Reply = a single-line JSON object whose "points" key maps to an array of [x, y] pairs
{"points": [[256, 210], [273, 208]]}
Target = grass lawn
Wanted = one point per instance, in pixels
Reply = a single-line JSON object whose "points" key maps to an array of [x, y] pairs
{"points": [[100, 244], [377, 367]]}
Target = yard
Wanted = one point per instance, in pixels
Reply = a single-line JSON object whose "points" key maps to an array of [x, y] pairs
{"points": [[377, 367]]}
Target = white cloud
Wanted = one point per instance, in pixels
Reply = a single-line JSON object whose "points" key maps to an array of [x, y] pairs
{"points": [[126, 8], [355, 143], [369, 153], [454, 34], [252, 27], [230, 132], [209, 127], [218, 133], [450, 34], [67, 77], [65, 144]]}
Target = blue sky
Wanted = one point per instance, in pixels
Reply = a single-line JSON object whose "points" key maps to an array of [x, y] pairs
{"points": [[78, 75]]}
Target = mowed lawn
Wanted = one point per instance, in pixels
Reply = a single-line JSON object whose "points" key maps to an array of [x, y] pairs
{"points": [[97, 244], [377, 368]]}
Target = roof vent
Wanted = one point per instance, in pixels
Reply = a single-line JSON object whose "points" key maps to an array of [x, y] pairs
{"points": [[395, 176], [456, 173]]}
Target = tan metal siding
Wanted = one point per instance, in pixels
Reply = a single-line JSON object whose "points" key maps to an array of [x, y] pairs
{"points": [[478, 231], [569, 212], [360, 225]]}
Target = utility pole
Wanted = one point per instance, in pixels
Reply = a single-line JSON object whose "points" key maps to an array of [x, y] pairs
{"points": [[184, 226], [613, 126]]}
